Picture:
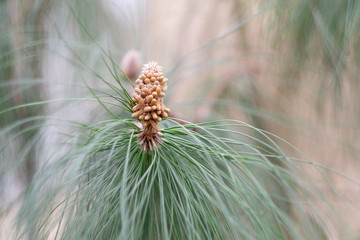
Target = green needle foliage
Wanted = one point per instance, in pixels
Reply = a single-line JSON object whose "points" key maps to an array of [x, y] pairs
{"points": [[205, 181]]}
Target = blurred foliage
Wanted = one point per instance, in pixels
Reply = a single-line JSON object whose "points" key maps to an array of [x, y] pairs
{"points": [[303, 33], [321, 30], [333, 23], [22, 44]]}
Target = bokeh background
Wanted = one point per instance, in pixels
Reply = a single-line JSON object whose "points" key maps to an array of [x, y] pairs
{"points": [[290, 67]]}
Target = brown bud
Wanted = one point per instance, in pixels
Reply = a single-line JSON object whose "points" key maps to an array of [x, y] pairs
{"points": [[137, 90], [149, 98], [137, 114], [136, 108], [164, 81], [154, 115], [147, 109], [154, 102], [146, 90]]}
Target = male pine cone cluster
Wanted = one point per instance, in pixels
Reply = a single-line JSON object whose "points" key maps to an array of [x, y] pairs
{"points": [[150, 108]]}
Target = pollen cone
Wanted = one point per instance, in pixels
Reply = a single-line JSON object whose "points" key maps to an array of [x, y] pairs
{"points": [[150, 109]]}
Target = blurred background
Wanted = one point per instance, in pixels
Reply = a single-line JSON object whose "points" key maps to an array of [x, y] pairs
{"points": [[290, 67]]}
